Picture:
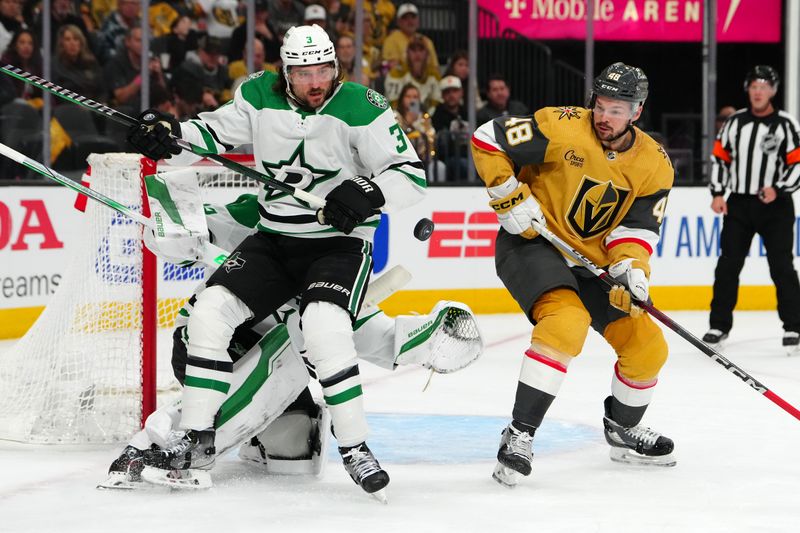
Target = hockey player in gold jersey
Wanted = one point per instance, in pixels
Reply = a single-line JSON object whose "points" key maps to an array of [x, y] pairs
{"points": [[600, 184]]}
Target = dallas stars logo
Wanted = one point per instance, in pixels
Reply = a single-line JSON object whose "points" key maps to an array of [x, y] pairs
{"points": [[567, 112], [306, 180]]}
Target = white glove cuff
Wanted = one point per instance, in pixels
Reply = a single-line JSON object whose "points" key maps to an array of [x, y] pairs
{"points": [[504, 189]]}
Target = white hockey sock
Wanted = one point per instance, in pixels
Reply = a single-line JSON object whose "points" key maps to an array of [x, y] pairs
{"points": [[631, 393], [345, 401]]}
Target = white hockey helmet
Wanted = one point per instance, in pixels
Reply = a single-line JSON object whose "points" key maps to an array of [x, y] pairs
{"points": [[307, 45]]}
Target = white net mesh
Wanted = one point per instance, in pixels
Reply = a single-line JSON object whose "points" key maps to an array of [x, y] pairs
{"points": [[75, 377]]}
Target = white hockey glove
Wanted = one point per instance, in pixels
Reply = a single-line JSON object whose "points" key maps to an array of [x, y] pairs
{"points": [[516, 208], [180, 250], [631, 274]]}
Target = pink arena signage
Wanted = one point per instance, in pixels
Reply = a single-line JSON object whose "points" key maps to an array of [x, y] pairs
{"points": [[749, 21]]}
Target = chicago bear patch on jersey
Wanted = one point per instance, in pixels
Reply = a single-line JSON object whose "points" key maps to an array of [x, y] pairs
{"points": [[595, 206]]}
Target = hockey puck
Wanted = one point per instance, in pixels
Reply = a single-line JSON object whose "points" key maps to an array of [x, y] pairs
{"points": [[423, 229]]}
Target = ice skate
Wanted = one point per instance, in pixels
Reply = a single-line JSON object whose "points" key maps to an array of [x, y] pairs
{"points": [[637, 445], [791, 343], [514, 457], [715, 338], [185, 464], [365, 470], [125, 473]]}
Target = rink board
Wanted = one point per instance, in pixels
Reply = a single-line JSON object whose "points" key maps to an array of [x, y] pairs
{"points": [[39, 227]]}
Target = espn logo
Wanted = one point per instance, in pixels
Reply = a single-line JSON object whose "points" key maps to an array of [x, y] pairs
{"points": [[462, 234]]}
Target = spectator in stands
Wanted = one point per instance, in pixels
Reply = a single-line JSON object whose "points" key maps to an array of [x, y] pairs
{"points": [[722, 116], [498, 101], [62, 12], [396, 43], [75, 67], [23, 52], [415, 123], [316, 14], [188, 98], [459, 67], [286, 13], [237, 70], [381, 14], [346, 53], [11, 21], [115, 29], [205, 65], [452, 107], [181, 39], [123, 72], [221, 18], [265, 32], [415, 74], [452, 128]]}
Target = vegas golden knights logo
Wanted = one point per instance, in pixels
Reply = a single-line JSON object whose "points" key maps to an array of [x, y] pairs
{"points": [[595, 206]]}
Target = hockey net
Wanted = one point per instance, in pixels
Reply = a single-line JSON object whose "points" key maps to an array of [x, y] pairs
{"points": [[87, 371]]}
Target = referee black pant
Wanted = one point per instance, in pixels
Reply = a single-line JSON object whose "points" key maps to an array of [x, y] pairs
{"points": [[747, 215]]}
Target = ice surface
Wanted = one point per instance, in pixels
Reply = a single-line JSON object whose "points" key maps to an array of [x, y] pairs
{"points": [[738, 467]]}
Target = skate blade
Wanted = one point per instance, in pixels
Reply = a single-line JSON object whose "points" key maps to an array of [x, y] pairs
{"points": [[506, 476], [191, 479], [119, 481], [380, 495], [630, 457]]}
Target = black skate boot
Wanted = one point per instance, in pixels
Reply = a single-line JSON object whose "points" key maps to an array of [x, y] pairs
{"points": [[638, 445], [125, 471], [715, 338], [514, 457], [791, 342], [184, 464], [365, 470]]}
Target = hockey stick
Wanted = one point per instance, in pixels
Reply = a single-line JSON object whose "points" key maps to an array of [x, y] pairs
{"points": [[384, 286], [211, 255], [671, 324], [122, 118]]}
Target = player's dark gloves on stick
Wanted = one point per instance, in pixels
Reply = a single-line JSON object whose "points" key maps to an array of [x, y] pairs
{"points": [[151, 137], [351, 202]]}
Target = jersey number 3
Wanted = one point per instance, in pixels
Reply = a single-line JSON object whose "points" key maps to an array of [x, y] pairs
{"points": [[401, 139]]}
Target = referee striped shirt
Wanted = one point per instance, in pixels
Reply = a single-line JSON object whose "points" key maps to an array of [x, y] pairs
{"points": [[751, 153]]}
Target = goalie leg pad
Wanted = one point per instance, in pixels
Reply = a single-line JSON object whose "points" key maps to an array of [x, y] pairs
{"points": [[295, 444], [445, 340]]}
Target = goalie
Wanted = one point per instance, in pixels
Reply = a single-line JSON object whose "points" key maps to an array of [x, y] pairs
{"points": [[268, 408]]}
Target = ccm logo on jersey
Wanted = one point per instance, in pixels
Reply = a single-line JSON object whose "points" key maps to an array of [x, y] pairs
{"points": [[329, 285]]}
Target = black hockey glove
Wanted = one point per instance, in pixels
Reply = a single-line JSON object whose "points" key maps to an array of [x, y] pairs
{"points": [[351, 202], [151, 137]]}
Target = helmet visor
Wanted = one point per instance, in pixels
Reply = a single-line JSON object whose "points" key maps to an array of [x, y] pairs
{"points": [[305, 75]]}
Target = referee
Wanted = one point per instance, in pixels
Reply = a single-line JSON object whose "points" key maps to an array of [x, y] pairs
{"points": [[757, 158]]}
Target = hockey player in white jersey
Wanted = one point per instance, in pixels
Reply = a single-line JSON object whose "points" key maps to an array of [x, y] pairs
{"points": [[445, 340], [361, 162]]}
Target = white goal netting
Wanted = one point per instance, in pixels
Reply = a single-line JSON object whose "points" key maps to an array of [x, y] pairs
{"points": [[76, 376]]}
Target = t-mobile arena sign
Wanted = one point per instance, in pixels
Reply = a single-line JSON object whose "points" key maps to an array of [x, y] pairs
{"points": [[738, 21]]}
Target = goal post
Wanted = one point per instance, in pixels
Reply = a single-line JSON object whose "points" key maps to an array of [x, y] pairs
{"points": [[97, 360]]}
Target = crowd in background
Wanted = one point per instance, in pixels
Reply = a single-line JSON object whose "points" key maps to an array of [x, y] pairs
{"points": [[198, 51]]}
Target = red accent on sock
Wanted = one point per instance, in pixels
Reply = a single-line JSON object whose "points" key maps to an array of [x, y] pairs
{"points": [[552, 363], [633, 384]]}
